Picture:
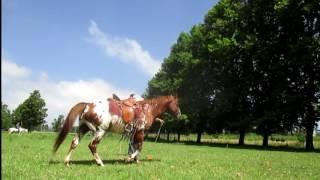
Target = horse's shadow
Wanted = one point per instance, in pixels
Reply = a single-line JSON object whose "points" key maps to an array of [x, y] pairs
{"points": [[105, 162]]}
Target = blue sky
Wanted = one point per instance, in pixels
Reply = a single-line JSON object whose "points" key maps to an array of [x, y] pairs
{"points": [[51, 35], [79, 50]]}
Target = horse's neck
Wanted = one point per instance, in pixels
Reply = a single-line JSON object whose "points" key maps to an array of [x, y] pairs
{"points": [[158, 108]]}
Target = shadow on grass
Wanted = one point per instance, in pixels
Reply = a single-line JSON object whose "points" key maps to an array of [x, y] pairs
{"points": [[236, 146], [105, 162]]}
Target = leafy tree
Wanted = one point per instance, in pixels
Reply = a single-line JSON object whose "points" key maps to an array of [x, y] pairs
{"points": [[57, 123], [285, 63], [251, 63], [172, 75], [168, 80], [31, 112], [227, 67], [6, 120], [300, 29]]}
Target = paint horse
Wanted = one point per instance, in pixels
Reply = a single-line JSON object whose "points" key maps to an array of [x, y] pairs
{"points": [[152, 109], [110, 115], [95, 117]]}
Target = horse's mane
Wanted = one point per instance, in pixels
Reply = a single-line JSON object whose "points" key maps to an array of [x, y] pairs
{"points": [[155, 100]]}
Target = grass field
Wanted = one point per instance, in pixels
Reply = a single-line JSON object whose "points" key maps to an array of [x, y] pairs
{"points": [[275, 140], [27, 156]]}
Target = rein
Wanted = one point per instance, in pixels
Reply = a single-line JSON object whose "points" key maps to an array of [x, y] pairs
{"points": [[129, 131], [128, 134], [158, 134]]}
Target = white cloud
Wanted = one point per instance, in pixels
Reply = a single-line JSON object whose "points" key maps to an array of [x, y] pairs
{"points": [[127, 50], [12, 70], [59, 96]]}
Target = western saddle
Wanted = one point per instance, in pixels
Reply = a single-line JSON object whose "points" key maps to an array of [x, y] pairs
{"points": [[128, 109]]}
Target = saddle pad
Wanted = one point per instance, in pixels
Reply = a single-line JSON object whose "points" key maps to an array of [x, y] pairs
{"points": [[114, 108]]}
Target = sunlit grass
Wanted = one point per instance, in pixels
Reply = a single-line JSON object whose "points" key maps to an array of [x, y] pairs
{"points": [[275, 140], [27, 156]]}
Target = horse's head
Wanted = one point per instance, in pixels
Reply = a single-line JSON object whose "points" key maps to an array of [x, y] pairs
{"points": [[174, 106]]}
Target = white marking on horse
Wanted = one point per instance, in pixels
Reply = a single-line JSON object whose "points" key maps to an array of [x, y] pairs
{"points": [[86, 109], [101, 108], [76, 141], [98, 159], [117, 124], [90, 126], [133, 155]]}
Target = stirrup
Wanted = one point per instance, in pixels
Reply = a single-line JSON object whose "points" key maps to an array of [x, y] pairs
{"points": [[128, 127]]}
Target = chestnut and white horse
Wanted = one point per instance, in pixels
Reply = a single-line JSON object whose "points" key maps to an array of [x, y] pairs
{"points": [[96, 117]]}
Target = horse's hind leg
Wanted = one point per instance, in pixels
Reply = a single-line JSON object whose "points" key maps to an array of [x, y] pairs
{"points": [[83, 129], [93, 145]]}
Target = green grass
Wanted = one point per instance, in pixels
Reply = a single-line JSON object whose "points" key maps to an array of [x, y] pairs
{"points": [[275, 140], [27, 156]]}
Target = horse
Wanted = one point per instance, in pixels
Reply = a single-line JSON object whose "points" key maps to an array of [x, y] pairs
{"points": [[152, 109], [99, 118], [13, 130], [17, 130], [21, 130]]}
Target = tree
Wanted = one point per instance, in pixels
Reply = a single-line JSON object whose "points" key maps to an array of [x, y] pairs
{"points": [[57, 123], [6, 120], [285, 57], [228, 67], [173, 74], [300, 29], [250, 64], [31, 112], [168, 80]]}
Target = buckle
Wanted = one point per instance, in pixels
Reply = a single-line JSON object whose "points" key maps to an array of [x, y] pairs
{"points": [[128, 127]]}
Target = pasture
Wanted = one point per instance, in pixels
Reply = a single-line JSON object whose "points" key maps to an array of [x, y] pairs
{"points": [[27, 156]]}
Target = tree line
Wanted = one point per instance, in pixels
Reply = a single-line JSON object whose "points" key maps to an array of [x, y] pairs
{"points": [[249, 66], [29, 114]]}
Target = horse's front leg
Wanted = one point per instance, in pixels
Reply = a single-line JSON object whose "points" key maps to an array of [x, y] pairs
{"points": [[133, 152], [93, 145], [135, 147], [135, 155]]}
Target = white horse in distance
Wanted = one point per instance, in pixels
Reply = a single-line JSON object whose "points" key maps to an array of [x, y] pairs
{"points": [[17, 130]]}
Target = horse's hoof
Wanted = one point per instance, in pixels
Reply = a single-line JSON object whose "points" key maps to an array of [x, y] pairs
{"points": [[102, 165], [129, 160], [137, 161], [67, 164]]}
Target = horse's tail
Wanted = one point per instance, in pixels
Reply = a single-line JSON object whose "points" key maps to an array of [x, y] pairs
{"points": [[74, 114]]}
